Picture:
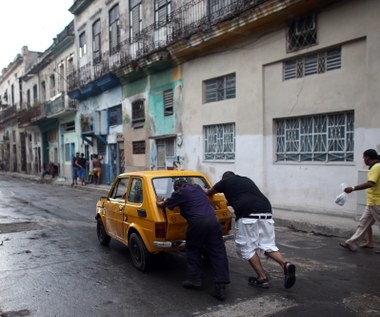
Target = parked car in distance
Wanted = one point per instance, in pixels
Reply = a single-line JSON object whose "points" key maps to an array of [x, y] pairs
{"points": [[130, 213]]}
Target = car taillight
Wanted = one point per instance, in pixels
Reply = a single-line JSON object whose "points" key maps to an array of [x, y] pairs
{"points": [[160, 229]]}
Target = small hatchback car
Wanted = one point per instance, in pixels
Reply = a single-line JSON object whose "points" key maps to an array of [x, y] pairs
{"points": [[130, 214]]}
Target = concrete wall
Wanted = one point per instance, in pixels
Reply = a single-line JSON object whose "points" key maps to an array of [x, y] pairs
{"points": [[262, 96]]}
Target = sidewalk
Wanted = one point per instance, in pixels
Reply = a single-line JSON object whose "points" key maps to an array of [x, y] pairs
{"points": [[322, 224]]}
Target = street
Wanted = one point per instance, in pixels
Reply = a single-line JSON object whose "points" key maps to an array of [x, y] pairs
{"points": [[51, 264]]}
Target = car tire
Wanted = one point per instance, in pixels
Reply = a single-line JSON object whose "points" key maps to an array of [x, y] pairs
{"points": [[139, 254], [103, 237]]}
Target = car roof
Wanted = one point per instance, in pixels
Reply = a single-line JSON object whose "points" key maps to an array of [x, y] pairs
{"points": [[163, 173]]}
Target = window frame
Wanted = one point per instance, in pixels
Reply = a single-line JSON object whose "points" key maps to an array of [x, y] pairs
{"points": [[96, 42], [168, 100], [302, 33], [82, 44], [138, 115], [115, 115]]}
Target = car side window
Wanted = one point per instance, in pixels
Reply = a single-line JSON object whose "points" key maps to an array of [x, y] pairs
{"points": [[136, 192], [120, 188]]}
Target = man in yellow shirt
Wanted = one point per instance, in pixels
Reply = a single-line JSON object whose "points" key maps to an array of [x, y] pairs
{"points": [[372, 211]]}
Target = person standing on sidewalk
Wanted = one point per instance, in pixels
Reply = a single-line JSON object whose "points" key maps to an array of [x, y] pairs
{"points": [[74, 169], [203, 232], [372, 210], [254, 226]]}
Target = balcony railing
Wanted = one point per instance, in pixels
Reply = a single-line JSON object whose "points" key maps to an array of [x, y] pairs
{"points": [[8, 113], [194, 17], [28, 116]]}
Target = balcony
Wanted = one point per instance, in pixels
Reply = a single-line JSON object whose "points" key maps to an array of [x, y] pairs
{"points": [[30, 116], [7, 114], [192, 30], [57, 106]]}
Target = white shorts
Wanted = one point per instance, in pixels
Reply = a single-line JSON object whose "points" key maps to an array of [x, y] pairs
{"points": [[252, 235]]}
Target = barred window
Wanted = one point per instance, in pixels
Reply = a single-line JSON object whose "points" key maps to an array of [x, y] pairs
{"points": [[168, 102], [138, 113], [220, 88], [312, 64], [302, 32], [115, 115], [219, 141], [319, 138], [138, 147]]}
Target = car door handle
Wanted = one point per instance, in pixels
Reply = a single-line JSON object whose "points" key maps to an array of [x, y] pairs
{"points": [[141, 212], [121, 208]]}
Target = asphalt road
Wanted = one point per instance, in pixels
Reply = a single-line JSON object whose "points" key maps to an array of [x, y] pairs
{"points": [[52, 265]]}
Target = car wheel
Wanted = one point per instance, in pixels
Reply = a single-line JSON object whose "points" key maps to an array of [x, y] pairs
{"points": [[103, 237], [139, 254]]}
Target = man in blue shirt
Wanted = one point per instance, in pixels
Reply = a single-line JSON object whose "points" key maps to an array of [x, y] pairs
{"points": [[204, 232]]}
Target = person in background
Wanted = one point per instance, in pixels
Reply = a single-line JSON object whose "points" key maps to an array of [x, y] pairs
{"points": [[371, 213], [97, 167], [74, 169], [91, 170], [254, 226], [81, 164], [203, 232]]}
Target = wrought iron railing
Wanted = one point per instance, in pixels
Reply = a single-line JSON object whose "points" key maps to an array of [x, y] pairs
{"points": [[196, 16], [7, 113]]}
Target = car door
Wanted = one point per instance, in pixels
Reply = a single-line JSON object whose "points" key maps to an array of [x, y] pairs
{"points": [[114, 208]]}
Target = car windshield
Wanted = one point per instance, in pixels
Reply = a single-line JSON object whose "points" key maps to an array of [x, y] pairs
{"points": [[163, 186]]}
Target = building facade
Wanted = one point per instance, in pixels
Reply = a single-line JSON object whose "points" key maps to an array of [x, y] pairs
{"points": [[284, 92]]}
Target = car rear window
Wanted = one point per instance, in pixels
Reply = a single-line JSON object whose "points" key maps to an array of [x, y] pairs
{"points": [[163, 186]]}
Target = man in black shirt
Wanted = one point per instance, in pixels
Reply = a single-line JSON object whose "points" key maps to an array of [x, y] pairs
{"points": [[254, 226]]}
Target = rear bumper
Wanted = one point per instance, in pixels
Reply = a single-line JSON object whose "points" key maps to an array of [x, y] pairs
{"points": [[181, 243]]}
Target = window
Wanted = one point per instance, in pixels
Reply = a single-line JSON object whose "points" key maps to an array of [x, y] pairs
{"points": [[43, 91], [28, 101], [220, 88], [138, 147], [312, 64], [162, 11], [115, 115], [114, 29], [165, 150], [35, 94], [138, 113], [135, 19], [52, 86], [136, 192], [168, 102], [82, 44], [302, 33], [219, 141], [69, 126], [96, 45], [322, 138], [61, 79]]}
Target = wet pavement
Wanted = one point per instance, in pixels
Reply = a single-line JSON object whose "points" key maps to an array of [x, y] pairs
{"points": [[52, 265]]}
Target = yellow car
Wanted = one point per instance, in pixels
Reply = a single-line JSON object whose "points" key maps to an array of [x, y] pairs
{"points": [[130, 213]]}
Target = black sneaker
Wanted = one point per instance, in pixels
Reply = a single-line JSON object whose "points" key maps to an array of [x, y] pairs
{"points": [[290, 274], [192, 284], [219, 291]]}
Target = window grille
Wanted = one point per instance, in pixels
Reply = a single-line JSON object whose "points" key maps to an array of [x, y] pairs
{"points": [[168, 102], [138, 147], [312, 64], [219, 142], [319, 138], [302, 33], [220, 88]]}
